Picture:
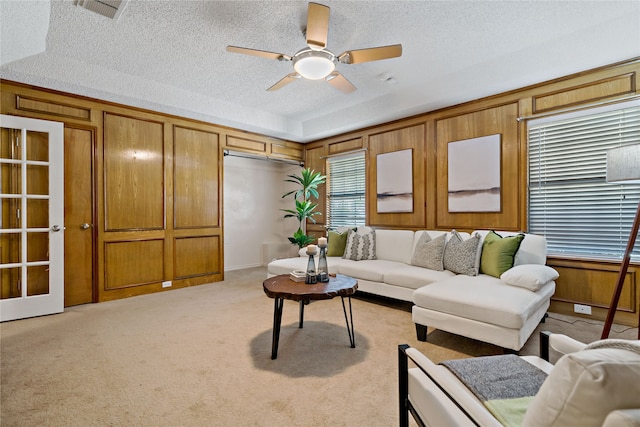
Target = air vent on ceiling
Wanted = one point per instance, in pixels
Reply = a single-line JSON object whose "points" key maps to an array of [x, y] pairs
{"points": [[109, 8]]}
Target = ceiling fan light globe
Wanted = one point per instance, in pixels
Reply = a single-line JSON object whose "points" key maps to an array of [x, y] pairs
{"points": [[314, 65]]}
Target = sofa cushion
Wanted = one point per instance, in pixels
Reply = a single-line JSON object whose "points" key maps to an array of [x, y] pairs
{"points": [[394, 245], [462, 256], [498, 253], [361, 244], [415, 277], [428, 252], [337, 242], [623, 418], [483, 298], [372, 270], [529, 276], [585, 386]]}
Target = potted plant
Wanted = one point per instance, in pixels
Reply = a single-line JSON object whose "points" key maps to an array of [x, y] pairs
{"points": [[308, 182]]}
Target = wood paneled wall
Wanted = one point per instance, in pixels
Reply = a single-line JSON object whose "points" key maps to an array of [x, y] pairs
{"points": [[157, 199], [196, 181], [405, 138], [134, 184], [592, 283], [581, 281], [316, 161], [158, 180], [496, 120]]}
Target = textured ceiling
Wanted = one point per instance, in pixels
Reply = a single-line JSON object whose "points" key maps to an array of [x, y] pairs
{"points": [[170, 55]]}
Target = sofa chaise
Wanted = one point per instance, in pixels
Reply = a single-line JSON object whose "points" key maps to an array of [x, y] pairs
{"points": [[445, 275]]}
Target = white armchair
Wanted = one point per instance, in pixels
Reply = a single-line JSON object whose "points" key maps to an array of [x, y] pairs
{"points": [[590, 385]]}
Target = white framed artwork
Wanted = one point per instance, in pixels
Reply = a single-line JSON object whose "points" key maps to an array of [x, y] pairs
{"points": [[395, 181], [474, 174]]}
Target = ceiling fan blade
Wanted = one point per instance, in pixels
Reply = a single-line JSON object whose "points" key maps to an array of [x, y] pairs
{"points": [[317, 26], [340, 82], [284, 81], [371, 54], [262, 53]]}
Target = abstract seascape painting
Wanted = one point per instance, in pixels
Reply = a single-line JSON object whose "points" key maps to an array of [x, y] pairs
{"points": [[395, 181], [474, 174]]}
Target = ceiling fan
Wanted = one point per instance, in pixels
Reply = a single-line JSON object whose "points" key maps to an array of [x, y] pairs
{"points": [[315, 62]]}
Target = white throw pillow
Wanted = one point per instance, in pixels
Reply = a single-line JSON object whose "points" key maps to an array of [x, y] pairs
{"points": [[584, 387], [529, 276]]}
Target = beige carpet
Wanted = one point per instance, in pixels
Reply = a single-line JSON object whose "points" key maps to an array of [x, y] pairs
{"points": [[201, 357]]}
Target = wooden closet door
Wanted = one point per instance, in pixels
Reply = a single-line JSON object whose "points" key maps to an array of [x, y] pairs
{"points": [[78, 217]]}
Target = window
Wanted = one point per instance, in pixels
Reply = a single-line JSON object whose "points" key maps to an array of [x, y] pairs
{"points": [[570, 201], [346, 195]]}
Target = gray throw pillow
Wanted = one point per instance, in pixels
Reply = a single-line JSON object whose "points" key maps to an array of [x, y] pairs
{"points": [[361, 244], [428, 252], [462, 256]]}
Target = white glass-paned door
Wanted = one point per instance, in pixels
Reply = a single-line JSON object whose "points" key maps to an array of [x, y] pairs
{"points": [[32, 217]]}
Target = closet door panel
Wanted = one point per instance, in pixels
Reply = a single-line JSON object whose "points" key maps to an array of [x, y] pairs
{"points": [[196, 183], [133, 263], [197, 256], [133, 174]]}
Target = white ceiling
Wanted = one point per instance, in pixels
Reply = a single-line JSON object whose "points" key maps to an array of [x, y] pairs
{"points": [[170, 56]]}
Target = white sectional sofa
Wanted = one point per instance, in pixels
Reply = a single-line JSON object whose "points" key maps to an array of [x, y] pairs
{"points": [[482, 307]]}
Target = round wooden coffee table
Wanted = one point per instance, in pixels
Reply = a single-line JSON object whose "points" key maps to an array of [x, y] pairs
{"points": [[282, 287]]}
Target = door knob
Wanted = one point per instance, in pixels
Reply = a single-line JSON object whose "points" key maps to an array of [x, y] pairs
{"points": [[55, 228], [85, 226]]}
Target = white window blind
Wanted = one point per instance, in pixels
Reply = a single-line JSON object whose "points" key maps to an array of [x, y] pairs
{"points": [[346, 195], [570, 201]]}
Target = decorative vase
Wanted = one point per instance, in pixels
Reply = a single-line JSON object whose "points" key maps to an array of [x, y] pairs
{"points": [[323, 270], [311, 266]]}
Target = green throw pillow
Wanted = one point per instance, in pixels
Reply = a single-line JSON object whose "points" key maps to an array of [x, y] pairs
{"points": [[337, 242], [499, 253]]}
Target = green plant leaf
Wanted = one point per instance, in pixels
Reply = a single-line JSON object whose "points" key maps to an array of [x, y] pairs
{"points": [[308, 182], [301, 239]]}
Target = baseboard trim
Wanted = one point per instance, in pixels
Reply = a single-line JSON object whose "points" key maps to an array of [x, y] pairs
{"points": [[241, 267]]}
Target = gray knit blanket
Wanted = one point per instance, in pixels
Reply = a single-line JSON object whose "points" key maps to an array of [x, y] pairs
{"points": [[504, 384]]}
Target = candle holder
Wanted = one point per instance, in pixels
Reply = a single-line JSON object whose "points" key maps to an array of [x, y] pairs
{"points": [[311, 266], [323, 269]]}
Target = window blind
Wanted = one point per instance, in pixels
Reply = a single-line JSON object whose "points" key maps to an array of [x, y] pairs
{"points": [[346, 195], [570, 201]]}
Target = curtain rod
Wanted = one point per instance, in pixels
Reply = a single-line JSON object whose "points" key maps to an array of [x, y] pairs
{"points": [[578, 108], [343, 154], [265, 158]]}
